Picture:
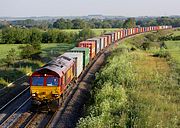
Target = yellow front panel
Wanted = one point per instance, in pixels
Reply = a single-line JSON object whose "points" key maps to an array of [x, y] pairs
{"points": [[45, 93]]}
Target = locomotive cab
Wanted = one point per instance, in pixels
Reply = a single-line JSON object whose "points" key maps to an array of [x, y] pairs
{"points": [[45, 87], [49, 82]]}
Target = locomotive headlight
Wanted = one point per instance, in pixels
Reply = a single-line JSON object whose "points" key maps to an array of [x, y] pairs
{"points": [[55, 95], [34, 94]]}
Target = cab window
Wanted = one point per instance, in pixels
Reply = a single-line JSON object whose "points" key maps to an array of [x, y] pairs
{"points": [[37, 81], [52, 81]]}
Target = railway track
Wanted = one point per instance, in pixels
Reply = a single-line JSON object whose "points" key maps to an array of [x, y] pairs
{"points": [[14, 105], [40, 120], [10, 120], [3, 107]]}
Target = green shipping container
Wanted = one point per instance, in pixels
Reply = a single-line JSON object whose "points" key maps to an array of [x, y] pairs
{"points": [[85, 52]]}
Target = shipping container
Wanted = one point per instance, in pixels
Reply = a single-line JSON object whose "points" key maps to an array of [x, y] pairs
{"points": [[115, 36], [119, 35], [78, 59], [129, 32], [111, 37], [108, 39], [102, 43], [145, 29], [97, 42], [133, 31], [86, 54], [105, 41], [91, 45], [126, 32]]}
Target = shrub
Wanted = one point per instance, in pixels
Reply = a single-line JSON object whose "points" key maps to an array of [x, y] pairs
{"points": [[3, 82], [162, 53], [10, 58], [26, 70]]}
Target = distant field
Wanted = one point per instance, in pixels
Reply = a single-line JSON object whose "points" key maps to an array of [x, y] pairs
{"points": [[47, 49], [6, 47], [174, 49], [97, 31], [176, 33], [100, 31], [55, 49]]}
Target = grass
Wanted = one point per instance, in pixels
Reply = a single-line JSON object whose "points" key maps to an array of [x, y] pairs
{"points": [[174, 48], [6, 47], [52, 50], [47, 49], [101, 31], [176, 32], [20, 68]]}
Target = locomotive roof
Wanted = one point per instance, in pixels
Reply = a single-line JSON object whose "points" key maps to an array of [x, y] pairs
{"points": [[60, 65]]}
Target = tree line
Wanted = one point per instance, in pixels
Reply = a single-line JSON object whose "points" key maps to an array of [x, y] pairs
{"points": [[27, 36], [128, 23], [175, 22], [92, 23]]}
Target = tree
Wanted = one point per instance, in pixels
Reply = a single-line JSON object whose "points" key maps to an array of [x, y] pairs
{"points": [[78, 24], [27, 51], [69, 24], [11, 57], [35, 40], [60, 23], [129, 23], [85, 34]]}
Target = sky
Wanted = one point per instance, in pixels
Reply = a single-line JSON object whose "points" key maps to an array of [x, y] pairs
{"points": [[131, 8]]}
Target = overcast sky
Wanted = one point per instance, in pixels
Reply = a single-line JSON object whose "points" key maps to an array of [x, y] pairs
{"points": [[22, 8]]}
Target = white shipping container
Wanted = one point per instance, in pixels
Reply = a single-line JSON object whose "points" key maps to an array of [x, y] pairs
{"points": [[78, 57], [102, 42], [119, 35], [131, 32]]}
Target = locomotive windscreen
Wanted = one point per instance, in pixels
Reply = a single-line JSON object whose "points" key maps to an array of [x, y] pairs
{"points": [[37, 81], [52, 81]]}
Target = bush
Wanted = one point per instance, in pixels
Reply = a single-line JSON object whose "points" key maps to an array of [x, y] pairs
{"points": [[162, 53], [3, 83], [119, 70], [30, 51], [108, 107], [10, 58], [151, 37], [26, 70]]}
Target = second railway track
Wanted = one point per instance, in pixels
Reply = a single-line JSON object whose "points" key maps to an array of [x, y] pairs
{"points": [[8, 122]]}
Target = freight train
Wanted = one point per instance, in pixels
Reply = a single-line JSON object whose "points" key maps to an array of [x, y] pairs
{"points": [[50, 82]]}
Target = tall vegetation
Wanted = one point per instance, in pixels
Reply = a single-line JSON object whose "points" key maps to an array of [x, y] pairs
{"points": [[134, 89]]}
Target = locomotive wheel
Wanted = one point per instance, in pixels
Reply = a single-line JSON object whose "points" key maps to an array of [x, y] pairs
{"points": [[60, 100]]}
